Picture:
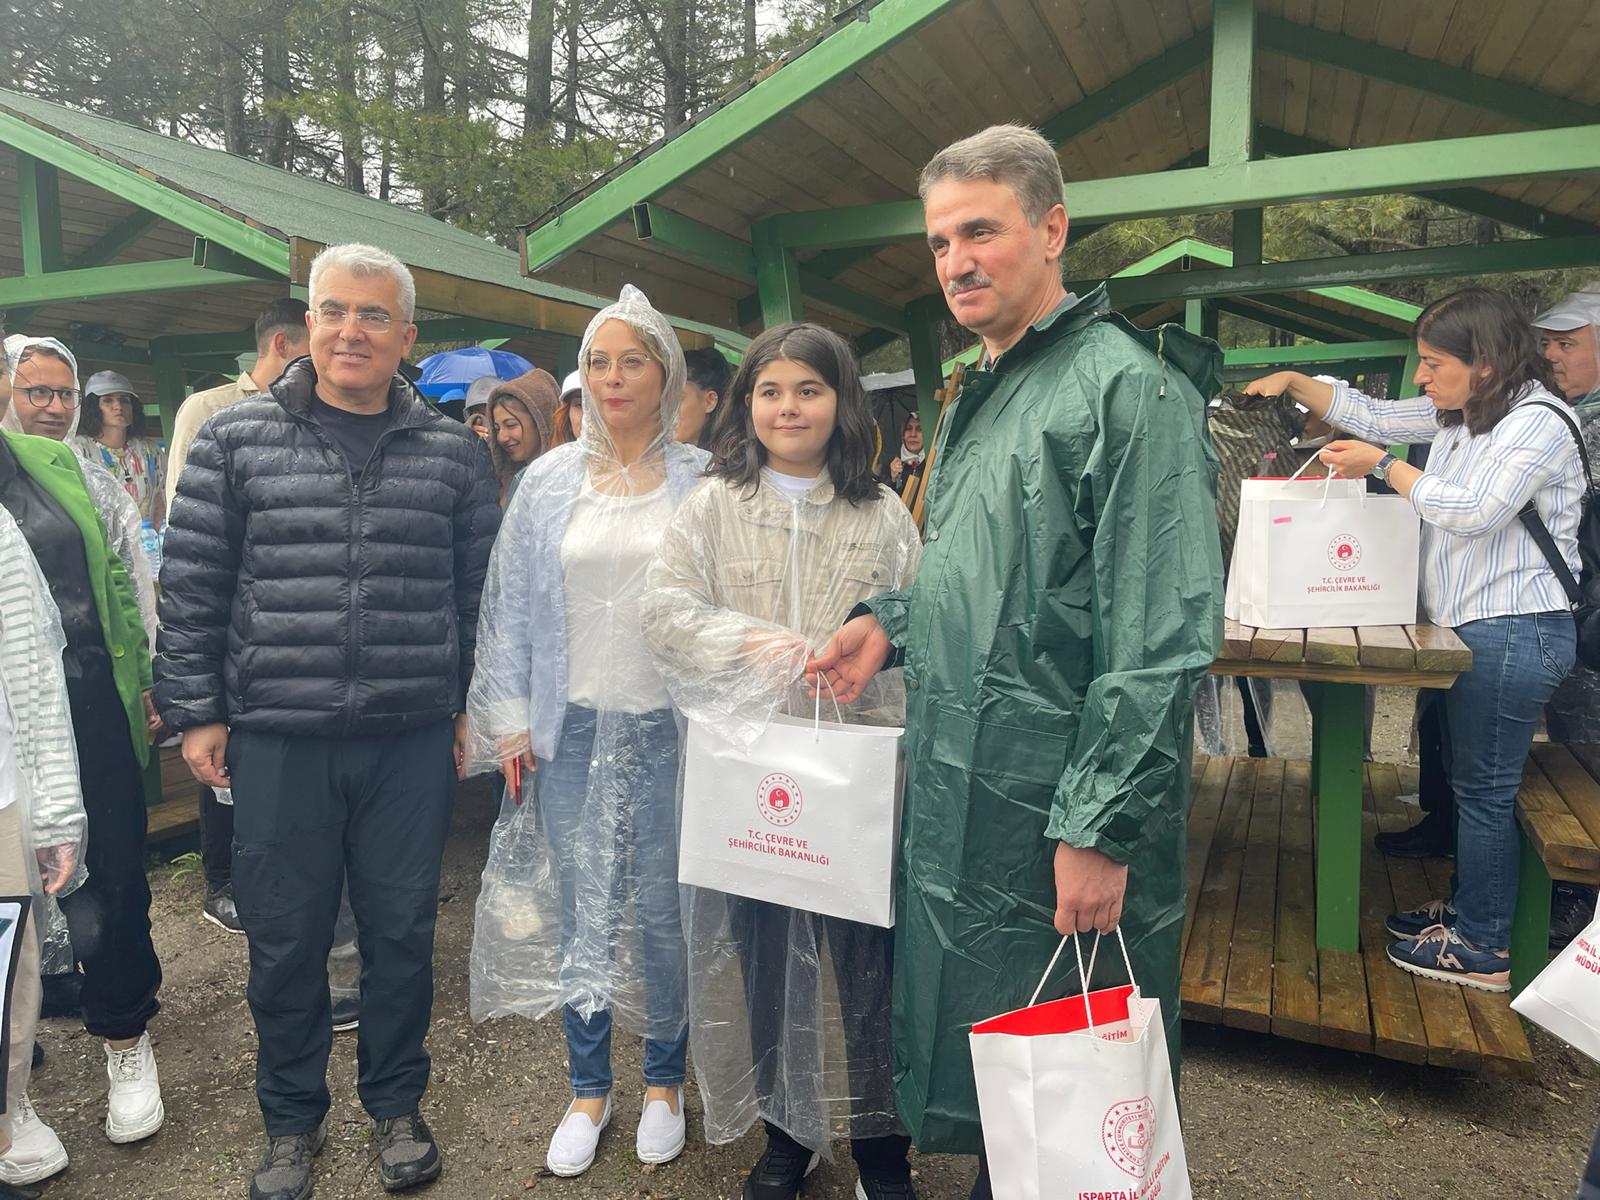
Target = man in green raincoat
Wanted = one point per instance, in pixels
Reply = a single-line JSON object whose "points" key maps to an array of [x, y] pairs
{"points": [[1067, 605]]}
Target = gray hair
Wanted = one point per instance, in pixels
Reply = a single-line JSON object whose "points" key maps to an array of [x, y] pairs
{"points": [[363, 262], [1015, 155]]}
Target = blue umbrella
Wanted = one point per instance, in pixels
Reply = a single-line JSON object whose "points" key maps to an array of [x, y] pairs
{"points": [[458, 368]]}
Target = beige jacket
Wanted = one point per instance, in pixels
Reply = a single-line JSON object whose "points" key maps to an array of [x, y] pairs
{"points": [[192, 414], [743, 587]]}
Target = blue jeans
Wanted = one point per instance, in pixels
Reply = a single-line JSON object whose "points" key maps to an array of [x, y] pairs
{"points": [[1490, 715], [640, 855]]}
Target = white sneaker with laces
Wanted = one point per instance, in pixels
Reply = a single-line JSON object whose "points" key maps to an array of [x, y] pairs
{"points": [[134, 1110], [662, 1132], [36, 1152], [573, 1144]]}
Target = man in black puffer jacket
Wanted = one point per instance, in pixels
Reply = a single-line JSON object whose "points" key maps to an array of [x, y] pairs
{"points": [[319, 607]]}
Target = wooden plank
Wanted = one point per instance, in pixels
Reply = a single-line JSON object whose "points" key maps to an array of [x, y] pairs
{"points": [[1247, 1002], [1576, 783], [1452, 1038], [1386, 646], [1294, 957], [1205, 962], [172, 818], [1343, 1016], [1439, 649], [1503, 1047], [1328, 673], [1397, 1027], [1236, 639], [1333, 645], [1210, 784], [1278, 645], [1562, 842]]}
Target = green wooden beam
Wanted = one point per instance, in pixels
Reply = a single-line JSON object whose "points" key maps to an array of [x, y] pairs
{"points": [[1329, 320], [874, 339], [211, 256], [777, 279], [694, 240], [1515, 101], [170, 390], [99, 283], [106, 352], [1533, 254], [1194, 316], [1274, 320], [149, 194], [39, 212], [567, 348], [234, 341], [1233, 73], [1284, 356], [1139, 84], [1247, 235], [1410, 167], [819, 68], [104, 248]]}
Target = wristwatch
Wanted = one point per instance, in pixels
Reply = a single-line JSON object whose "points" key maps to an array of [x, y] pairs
{"points": [[1381, 467]]}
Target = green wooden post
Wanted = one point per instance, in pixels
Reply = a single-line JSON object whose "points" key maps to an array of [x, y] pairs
{"points": [[1247, 237], [1233, 53], [1194, 317], [1340, 724], [777, 279], [170, 391], [1210, 320], [39, 211], [922, 318], [1530, 927], [567, 348]]}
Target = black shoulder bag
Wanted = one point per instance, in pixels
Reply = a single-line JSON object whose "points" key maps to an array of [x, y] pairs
{"points": [[1584, 596]]}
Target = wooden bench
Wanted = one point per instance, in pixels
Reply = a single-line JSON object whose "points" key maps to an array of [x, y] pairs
{"points": [[1558, 810]]}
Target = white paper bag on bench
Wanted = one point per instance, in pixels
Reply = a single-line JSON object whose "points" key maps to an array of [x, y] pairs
{"points": [[808, 816], [1315, 552], [1565, 997]]}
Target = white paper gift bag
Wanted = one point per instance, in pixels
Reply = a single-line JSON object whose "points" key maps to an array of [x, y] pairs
{"points": [[1315, 552], [1565, 996], [807, 816], [1076, 1096]]}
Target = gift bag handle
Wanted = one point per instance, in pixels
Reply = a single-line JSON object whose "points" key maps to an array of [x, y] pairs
{"points": [[1083, 975], [1327, 485], [816, 720]]}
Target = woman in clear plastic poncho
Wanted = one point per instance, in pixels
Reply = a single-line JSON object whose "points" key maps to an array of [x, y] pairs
{"points": [[789, 1010], [579, 907]]}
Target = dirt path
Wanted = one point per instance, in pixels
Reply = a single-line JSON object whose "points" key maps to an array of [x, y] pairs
{"points": [[1262, 1117]]}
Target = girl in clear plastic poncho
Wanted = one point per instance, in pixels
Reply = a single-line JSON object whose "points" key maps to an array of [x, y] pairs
{"points": [[579, 907], [789, 1011]]}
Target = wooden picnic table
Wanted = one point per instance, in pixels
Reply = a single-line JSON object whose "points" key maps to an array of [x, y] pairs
{"points": [[1345, 660]]}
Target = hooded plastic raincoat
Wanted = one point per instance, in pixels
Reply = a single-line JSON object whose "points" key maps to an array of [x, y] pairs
{"points": [[788, 1010], [1573, 713], [1068, 602], [579, 905]]}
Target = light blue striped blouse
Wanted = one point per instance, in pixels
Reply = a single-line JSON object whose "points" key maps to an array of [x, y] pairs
{"points": [[1478, 560]]}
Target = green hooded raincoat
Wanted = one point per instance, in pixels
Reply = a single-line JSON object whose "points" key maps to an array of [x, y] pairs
{"points": [[1067, 605]]}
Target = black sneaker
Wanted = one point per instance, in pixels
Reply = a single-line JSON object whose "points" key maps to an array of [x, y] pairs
{"points": [[407, 1154], [1428, 838], [780, 1171], [285, 1170], [885, 1187], [1571, 910], [221, 911], [346, 1015]]}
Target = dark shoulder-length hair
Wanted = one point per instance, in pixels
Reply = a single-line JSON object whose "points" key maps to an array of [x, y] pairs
{"points": [[1484, 329], [737, 455], [91, 420]]}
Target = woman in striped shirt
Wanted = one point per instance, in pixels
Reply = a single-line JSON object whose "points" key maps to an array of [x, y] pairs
{"points": [[1496, 446]]}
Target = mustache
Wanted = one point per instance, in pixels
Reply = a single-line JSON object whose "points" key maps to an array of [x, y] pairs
{"points": [[972, 279]]}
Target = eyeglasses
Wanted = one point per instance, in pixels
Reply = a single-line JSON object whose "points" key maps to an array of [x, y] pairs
{"points": [[632, 366], [367, 322], [40, 397]]}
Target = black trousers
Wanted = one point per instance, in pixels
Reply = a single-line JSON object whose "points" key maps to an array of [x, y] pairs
{"points": [[863, 959], [216, 841], [108, 917], [311, 814], [1434, 793]]}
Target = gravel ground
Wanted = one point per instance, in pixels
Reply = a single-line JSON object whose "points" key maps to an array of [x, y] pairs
{"points": [[1262, 1117]]}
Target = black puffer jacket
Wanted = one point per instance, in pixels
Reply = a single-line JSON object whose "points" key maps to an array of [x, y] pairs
{"points": [[294, 601]]}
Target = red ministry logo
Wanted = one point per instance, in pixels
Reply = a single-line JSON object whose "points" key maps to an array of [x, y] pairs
{"points": [[1127, 1131], [1344, 552], [779, 799]]}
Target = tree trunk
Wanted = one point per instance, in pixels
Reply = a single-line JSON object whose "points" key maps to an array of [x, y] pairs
{"points": [[569, 98], [674, 67], [234, 139], [277, 85], [351, 149], [750, 46], [433, 97], [536, 105]]}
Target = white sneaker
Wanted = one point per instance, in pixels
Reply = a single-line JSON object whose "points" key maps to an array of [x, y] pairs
{"points": [[36, 1152], [134, 1111], [573, 1144], [662, 1132]]}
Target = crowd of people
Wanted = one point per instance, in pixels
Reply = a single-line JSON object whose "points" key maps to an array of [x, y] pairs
{"points": [[363, 602]]}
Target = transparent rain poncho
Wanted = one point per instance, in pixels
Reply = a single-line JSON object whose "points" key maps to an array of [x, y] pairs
{"points": [[579, 904], [1571, 333], [789, 1011]]}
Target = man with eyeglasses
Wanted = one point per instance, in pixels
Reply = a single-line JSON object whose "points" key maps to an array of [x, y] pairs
{"points": [[323, 566]]}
